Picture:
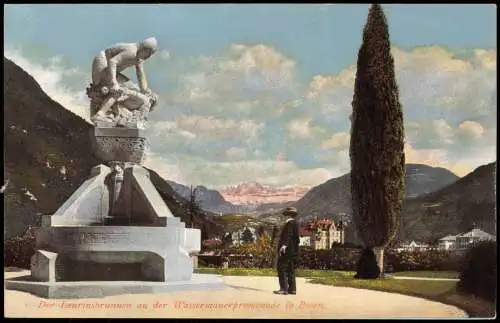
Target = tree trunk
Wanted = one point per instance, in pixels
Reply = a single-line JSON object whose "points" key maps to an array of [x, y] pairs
{"points": [[379, 255]]}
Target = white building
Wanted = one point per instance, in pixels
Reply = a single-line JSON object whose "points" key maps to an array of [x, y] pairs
{"points": [[412, 246], [468, 239], [464, 240], [321, 234], [305, 241], [447, 243]]}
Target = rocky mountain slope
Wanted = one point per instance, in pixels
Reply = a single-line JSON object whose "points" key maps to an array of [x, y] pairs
{"points": [[334, 196], [469, 202], [48, 154], [40, 137], [450, 209]]}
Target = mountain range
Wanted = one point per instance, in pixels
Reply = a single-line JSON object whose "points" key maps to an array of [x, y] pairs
{"points": [[467, 203], [210, 200], [255, 193], [437, 203], [327, 198], [334, 196]]}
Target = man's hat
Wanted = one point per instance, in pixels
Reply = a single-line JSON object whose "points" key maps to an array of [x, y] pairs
{"points": [[290, 211]]}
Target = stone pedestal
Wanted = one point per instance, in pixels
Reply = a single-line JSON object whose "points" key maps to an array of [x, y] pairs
{"points": [[115, 234]]}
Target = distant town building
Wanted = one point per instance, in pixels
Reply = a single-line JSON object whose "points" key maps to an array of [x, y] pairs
{"points": [[464, 240], [305, 241], [447, 243], [321, 234], [412, 246], [237, 236]]}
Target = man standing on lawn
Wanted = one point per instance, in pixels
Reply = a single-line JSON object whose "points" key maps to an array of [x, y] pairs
{"points": [[288, 253]]}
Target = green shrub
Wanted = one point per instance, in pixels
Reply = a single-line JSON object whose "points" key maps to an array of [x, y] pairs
{"points": [[344, 257], [19, 249], [432, 259], [478, 275]]}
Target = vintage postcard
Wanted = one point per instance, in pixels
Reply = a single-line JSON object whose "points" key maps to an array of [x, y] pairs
{"points": [[319, 161]]}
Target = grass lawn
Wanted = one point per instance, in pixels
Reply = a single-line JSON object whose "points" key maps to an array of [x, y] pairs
{"points": [[310, 273], [441, 291], [427, 274]]}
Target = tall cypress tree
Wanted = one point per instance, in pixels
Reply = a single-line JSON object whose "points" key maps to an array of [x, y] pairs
{"points": [[377, 139]]}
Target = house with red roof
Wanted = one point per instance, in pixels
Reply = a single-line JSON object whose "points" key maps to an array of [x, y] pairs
{"points": [[321, 234]]}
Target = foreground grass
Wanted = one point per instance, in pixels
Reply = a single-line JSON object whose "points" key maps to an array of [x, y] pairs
{"points": [[309, 273], [427, 274], [440, 291]]}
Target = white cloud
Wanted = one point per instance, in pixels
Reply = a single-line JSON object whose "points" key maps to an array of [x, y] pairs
{"points": [[339, 141], [428, 78], [471, 129], [236, 153], [271, 67], [431, 157], [164, 54], [218, 128], [449, 102], [253, 81], [459, 164], [51, 79], [162, 127], [268, 172], [444, 130], [299, 128], [166, 166], [321, 84], [440, 134]]}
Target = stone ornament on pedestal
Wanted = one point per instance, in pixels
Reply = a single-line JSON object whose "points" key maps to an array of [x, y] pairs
{"points": [[115, 234], [120, 144]]}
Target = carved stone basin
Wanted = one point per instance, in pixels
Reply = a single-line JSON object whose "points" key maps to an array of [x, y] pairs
{"points": [[120, 144]]}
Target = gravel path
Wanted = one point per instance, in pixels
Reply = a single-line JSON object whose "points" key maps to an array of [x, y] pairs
{"points": [[247, 297]]}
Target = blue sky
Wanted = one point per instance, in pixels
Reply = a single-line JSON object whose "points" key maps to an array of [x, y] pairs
{"points": [[278, 76], [324, 39]]}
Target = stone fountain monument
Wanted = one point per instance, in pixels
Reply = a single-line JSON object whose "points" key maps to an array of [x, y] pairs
{"points": [[115, 234]]}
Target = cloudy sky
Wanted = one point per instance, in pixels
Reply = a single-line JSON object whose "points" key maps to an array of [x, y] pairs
{"points": [[263, 92]]}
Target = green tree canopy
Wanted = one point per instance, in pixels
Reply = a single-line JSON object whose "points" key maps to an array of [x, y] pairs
{"points": [[377, 137], [247, 236]]}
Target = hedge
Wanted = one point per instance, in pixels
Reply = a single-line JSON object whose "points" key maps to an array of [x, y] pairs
{"points": [[19, 249], [347, 259]]}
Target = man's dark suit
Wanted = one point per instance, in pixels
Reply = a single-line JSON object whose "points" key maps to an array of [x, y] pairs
{"points": [[287, 261]]}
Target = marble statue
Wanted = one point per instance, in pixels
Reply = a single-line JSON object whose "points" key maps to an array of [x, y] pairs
{"points": [[115, 234], [114, 99]]}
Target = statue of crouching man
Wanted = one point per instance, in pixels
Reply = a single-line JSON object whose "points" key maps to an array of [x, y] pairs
{"points": [[114, 99]]}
